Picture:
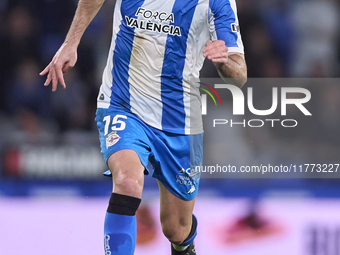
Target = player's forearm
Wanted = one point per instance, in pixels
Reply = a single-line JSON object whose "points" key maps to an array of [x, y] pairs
{"points": [[86, 11], [235, 68]]}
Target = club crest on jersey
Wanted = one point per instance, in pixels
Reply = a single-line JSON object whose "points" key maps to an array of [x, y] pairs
{"points": [[154, 21], [112, 139]]}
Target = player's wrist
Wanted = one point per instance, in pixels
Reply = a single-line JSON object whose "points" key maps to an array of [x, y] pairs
{"points": [[71, 43]]}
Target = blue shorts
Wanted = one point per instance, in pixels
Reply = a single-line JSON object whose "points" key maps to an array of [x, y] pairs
{"points": [[171, 156]]}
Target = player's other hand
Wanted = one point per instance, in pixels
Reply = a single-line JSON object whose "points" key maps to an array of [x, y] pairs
{"points": [[63, 60], [216, 51]]}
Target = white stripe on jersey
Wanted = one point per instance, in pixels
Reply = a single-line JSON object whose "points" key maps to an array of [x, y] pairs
{"points": [[145, 69], [193, 64]]}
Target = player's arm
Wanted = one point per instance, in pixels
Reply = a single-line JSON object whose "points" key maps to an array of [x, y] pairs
{"points": [[66, 56], [225, 31], [230, 65]]}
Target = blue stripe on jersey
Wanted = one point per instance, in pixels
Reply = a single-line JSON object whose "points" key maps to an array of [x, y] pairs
{"points": [[173, 116], [122, 55], [224, 17]]}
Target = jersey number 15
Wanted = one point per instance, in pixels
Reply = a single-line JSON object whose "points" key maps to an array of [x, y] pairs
{"points": [[117, 124]]}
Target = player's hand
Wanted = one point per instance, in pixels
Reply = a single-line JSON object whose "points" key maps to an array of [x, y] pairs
{"points": [[63, 60], [216, 51]]}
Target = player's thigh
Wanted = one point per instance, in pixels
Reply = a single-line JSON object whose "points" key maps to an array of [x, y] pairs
{"points": [[176, 159], [125, 147], [127, 173], [174, 211]]}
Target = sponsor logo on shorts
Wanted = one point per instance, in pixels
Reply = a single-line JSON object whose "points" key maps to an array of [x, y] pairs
{"points": [[192, 190], [188, 177], [194, 173], [112, 139]]}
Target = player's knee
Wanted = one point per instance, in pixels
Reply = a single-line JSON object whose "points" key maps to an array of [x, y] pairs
{"points": [[130, 185], [176, 231], [127, 172]]}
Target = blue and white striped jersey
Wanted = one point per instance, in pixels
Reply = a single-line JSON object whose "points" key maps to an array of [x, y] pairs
{"points": [[156, 55]]}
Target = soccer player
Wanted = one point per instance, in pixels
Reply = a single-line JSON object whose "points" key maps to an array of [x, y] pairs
{"points": [[149, 107]]}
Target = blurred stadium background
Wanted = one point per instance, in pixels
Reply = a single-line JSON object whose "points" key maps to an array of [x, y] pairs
{"points": [[52, 194]]}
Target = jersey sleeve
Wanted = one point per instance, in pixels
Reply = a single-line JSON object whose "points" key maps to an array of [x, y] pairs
{"points": [[224, 25]]}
